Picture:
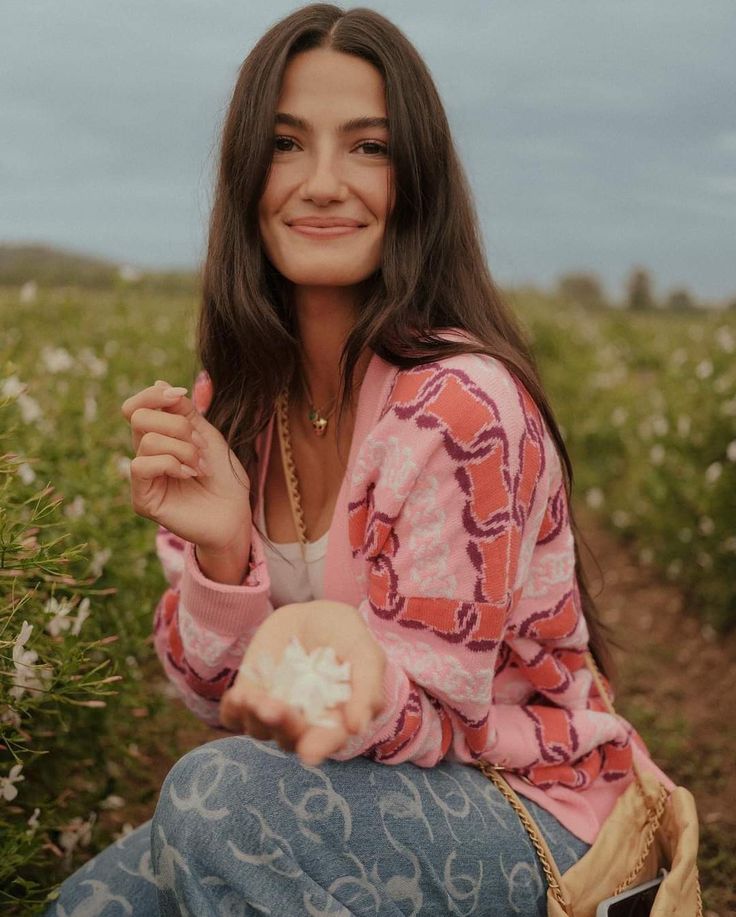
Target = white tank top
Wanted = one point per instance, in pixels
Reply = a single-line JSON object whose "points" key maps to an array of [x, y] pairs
{"points": [[291, 579]]}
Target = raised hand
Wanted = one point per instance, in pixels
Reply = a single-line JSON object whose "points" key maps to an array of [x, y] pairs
{"points": [[184, 476]]}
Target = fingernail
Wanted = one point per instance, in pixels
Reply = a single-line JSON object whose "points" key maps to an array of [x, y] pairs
{"points": [[174, 391], [190, 472]]}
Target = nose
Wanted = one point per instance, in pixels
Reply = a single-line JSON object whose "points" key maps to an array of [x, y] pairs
{"points": [[323, 181]]}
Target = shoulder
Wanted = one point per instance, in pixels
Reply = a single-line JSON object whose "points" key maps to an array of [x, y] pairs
{"points": [[464, 397]]}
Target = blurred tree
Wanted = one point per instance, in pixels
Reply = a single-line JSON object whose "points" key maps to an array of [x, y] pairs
{"points": [[681, 300], [639, 289], [582, 288]]}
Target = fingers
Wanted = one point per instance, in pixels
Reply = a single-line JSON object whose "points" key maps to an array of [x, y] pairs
{"points": [[319, 742], [159, 396], [262, 717], [366, 700], [186, 452], [145, 468]]}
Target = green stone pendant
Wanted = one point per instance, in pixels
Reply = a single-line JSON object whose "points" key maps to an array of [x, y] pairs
{"points": [[319, 424]]}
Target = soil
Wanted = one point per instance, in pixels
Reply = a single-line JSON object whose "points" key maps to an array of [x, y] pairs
{"points": [[676, 683]]}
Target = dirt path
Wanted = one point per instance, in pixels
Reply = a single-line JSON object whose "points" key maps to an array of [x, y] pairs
{"points": [[676, 684]]}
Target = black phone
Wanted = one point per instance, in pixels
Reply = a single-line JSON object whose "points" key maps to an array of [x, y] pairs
{"points": [[634, 902]]}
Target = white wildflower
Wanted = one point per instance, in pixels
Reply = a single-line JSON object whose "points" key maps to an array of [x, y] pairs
{"points": [[310, 682], [26, 473], [111, 348], [122, 463], [77, 832], [731, 451], [90, 408], [60, 620], [713, 472], [595, 498], [99, 559], [678, 357], [30, 409], [729, 545], [12, 387], [725, 339], [29, 291], [96, 366], [33, 821], [56, 359], [646, 556], [112, 802], [81, 617], [28, 675], [75, 509], [621, 518], [7, 788], [684, 425], [619, 416], [704, 369], [657, 454], [706, 525], [660, 425], [728, 408], [674, 568]]}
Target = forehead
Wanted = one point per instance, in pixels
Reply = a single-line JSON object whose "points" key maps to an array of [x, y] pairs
{"points": [[331, 85]]}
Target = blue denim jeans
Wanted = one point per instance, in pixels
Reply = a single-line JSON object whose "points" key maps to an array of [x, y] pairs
{"points": [[244, 828]]}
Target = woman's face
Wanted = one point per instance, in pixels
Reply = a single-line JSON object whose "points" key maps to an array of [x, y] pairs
{"points": [[323, 212]]}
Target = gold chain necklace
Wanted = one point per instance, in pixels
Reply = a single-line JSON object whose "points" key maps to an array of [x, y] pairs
{"points": [[316, 417], [287, 461]]}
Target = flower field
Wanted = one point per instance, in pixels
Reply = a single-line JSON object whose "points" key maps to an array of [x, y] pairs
{"points": [[648, 407], [647, 403]]}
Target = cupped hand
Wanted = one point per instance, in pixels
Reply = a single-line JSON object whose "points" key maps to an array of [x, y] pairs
{"points": [[184, 475], [247, 706]]}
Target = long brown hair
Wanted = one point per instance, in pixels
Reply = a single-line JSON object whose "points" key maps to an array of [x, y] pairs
{"points": [[433, 272]]}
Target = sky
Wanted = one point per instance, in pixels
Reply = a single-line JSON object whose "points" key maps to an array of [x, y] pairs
{"points": [[596, 135]]}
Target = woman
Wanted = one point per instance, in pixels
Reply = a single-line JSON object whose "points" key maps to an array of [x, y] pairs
{"points": [[404, 501]]}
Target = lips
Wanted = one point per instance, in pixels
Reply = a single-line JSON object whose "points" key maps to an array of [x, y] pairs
{"points": [[325, 222]]}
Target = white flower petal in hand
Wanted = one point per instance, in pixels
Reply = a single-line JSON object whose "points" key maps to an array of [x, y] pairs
{"points": [[310, 682]]}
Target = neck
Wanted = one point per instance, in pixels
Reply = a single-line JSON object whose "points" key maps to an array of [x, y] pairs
{"points": [[325, 316]]}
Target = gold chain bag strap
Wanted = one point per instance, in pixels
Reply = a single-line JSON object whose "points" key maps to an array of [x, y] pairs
{"points": [[649, 828], [641, 812]]}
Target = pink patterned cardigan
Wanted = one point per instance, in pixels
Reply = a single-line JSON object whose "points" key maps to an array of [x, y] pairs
{"points": [[451, 537]]}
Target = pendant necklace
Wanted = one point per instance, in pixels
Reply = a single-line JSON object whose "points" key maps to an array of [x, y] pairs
{"points": [[317, 418]]}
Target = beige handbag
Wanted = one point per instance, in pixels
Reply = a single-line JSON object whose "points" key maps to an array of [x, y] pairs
{"points": [[649, 828]]}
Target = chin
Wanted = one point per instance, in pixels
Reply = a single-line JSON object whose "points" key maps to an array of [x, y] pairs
{"points": [[326, 274]]}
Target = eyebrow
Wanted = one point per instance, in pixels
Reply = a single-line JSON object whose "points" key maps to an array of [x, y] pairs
{"points": [[347, 127]]}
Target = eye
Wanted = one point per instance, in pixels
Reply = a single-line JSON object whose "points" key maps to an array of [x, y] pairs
{"points": [[281, 138], [378, 148]]}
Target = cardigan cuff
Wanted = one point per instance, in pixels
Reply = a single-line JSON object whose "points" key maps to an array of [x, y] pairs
{"points": [[222, 606]]}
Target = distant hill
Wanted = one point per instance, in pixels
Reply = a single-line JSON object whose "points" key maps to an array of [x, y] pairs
{"points": [[50, 266]]}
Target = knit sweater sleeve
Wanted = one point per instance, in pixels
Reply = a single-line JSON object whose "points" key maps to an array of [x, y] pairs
{"points": [[202, 628], [450, 489]]}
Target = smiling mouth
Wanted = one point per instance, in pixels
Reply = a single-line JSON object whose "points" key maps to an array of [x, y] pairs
{"points": [[325, 232]]}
